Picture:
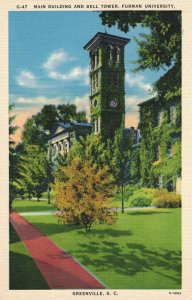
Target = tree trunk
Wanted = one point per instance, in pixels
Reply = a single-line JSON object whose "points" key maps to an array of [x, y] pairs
{"points": [[122, 199], [48, 196]]}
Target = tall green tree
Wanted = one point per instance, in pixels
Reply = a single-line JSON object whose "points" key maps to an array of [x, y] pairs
{"points": [[68, 113], [160, 48], [36, 129], [121, 161], [47, 117], [13, 157], [92, 148], [34, 171], [34, 134]]}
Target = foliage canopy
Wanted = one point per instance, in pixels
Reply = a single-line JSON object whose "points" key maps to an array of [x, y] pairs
{"points": [[161, 48], [82, 194]]}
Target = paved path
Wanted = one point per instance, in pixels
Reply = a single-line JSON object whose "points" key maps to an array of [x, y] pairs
{"points": [[58, 268], [52, 212]]}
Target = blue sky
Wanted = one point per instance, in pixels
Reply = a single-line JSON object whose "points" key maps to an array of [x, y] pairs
{"points": [[48, 65]]}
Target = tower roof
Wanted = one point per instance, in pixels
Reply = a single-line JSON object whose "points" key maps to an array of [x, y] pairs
{"points": [[101, 38]]}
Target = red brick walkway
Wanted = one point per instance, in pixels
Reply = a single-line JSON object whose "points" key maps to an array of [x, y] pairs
{"points": [[58, 268]]}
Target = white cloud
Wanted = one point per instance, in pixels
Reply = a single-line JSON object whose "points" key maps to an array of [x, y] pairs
{"points": [[138, 81], [27, 79], [58, 59], [82, 102], [39, 100], [76, 73]]}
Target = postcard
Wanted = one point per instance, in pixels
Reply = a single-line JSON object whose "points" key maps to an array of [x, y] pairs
{"points": [[96, 149]]}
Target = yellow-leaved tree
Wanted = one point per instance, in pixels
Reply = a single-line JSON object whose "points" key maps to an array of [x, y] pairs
{"points": [[82, 194]]}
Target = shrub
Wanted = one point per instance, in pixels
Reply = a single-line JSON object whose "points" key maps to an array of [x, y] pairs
{"points": [[166, 199], [141, 197]]}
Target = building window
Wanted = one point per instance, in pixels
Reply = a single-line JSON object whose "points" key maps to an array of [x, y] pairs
{"points": [[55, 150], [170, 186], [114, 79], [93, 61], [108, 52], [96, 126], [160, 117], [96, 81], [65, 148], [161, 182], [97, 58], [156, 152], [114, 54], [169, 151], [60, 147], [173, 114]]}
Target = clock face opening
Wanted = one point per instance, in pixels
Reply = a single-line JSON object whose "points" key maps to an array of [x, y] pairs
{"points": [[95, 103], [114, 103]]}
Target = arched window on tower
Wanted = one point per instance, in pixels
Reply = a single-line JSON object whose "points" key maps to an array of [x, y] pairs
{"points": [[96, 126], [92, 61], [118, 55], [114, 54], [108, 52], [96, 81], [169, 150], [116, 79], [97, 58]]}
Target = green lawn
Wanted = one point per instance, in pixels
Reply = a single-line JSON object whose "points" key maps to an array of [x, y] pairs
{"points": [[32, 205], [141, 251], [24, 273]]}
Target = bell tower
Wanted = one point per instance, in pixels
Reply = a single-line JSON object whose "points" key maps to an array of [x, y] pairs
{"points": [[106, 75]]}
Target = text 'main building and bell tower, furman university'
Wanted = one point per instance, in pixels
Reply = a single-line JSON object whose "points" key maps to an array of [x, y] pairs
{"points": [[107, 76]]}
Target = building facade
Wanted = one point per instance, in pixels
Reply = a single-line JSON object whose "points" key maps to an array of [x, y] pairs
{"points": [[63, 136], [160, 146]]}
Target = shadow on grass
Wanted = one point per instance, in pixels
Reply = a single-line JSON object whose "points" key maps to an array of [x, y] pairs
{"points": [[108, 232], [37, 208], [53, 228], [24, 274], [13, 237], [133, 259], [147, 212]]}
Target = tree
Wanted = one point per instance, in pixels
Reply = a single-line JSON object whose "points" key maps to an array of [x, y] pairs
{"points": [[92, 148], [161, 48], [33, 171], [13, 158], [36, 129], [33, 134], [83, 194], [121, 161], [47, 117]]}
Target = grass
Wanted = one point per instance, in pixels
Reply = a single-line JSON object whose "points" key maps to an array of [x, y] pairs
{"points": [[32, 205], [141, 251], [24, 273]]}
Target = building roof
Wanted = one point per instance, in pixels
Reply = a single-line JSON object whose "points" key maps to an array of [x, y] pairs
{"points": [[148, 101], [67, 126], [103, 37], [83, 124]]}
